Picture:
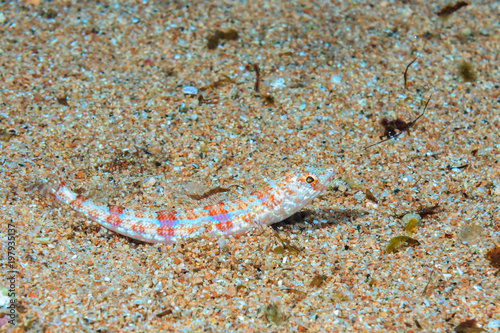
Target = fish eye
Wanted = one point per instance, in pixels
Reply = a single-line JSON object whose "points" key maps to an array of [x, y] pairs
{"points": [[310, 180]]}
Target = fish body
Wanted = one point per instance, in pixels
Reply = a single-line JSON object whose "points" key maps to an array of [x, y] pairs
{"points": [[278, 200]]}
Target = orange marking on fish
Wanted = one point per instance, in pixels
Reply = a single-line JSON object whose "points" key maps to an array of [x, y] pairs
{"points": [[78, 202]]}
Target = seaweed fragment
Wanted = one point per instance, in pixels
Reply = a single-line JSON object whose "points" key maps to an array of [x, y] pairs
{"points": [[405, 74], [466, 71], [268, 99], [273, 314], [451, 317], [408, 125], [50, 13], [214, 40], [299, 295], [231, 34], [468, 326], [318, 280], [398, 242], [369, 195], [427, 211], [256, 69], [469, 233], [63, 100], [244, 289], [411, 222], [392, 126], [493, 257], [285, 246], [451, 8], [424, 292], [164, 313], [295, 291], [463, 166], [6, 134], [219, 83]]}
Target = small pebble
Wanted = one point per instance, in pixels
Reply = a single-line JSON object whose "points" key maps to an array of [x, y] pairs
{"points": [[410, 218], [360, 195], [278, 83], [188, 90], [41, 240], [149, 182], [336, 79]]}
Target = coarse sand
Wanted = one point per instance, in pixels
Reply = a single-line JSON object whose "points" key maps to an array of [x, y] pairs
{"points": [[128, 101]]}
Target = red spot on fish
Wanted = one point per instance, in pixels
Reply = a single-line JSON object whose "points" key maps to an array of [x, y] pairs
{"points": [[117, 210], [242, 205], [224, 225], [165, 231], [79, 201], [272, 202], [190, 214], [114, 220], [138, 227], [166, 216], [259, 194], [218, 209]]}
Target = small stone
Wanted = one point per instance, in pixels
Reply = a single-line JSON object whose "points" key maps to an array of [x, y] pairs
{"points": [[415, 219], [231, 291], [336, 79], [278, 83], [4, 301], [188, 90], [466, 32], [469, 233], [360, 195], [495, 190], [149, 182], [197, 281], [41, 240]]}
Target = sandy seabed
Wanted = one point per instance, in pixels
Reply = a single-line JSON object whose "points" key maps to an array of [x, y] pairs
{"points": [[127, 101]]}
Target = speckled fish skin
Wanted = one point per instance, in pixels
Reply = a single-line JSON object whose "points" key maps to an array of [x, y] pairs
{"points": [[279, 199]]}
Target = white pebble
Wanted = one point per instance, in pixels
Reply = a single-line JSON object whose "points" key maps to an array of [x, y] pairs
{"points": [[4, 301], [149, 182], [278, 83], [336, 79], [494, 324], [188, 90]]}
